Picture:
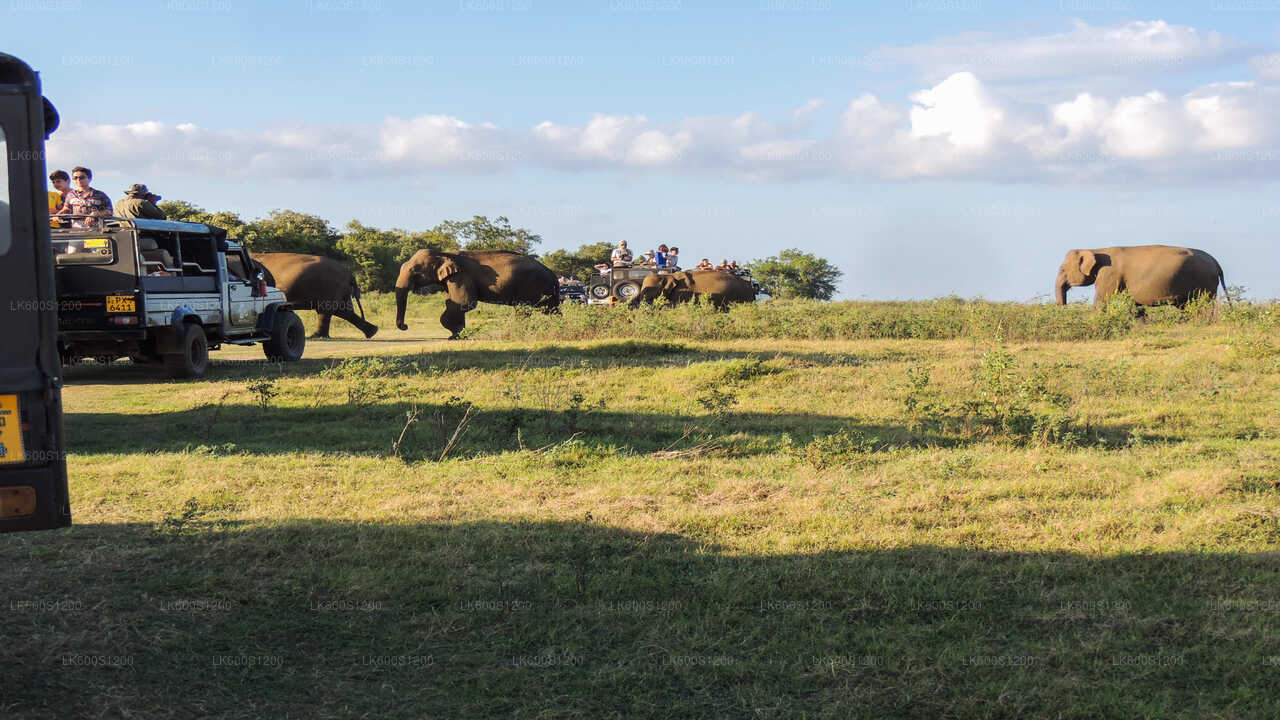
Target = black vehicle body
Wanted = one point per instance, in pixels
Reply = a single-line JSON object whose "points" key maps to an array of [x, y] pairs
{"points": [[33, 472], [573, 293]]}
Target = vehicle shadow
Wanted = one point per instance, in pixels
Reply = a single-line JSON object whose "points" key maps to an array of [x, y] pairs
{"points": [[196, 616]]}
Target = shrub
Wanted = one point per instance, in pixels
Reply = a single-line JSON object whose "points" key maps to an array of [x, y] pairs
{"points": [[838, 449]]}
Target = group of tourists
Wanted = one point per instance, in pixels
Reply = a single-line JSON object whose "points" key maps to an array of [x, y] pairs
{"points": [[663, 258], [73, 196], [729, 266]]}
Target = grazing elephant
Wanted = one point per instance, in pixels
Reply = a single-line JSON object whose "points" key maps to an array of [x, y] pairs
{"points": [[1152, 274], [501, 277], [314, 282], [720, 288]]}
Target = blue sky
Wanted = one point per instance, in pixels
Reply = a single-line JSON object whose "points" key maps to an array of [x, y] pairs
{"points": [[927, 147]]}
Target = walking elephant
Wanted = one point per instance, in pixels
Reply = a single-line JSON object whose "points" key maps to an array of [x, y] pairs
{"points": [[720, 288], [314, 282], [501, 277], [1152, 274]]}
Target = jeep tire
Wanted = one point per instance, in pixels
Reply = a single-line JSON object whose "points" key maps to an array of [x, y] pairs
{"points": [[288, 338], [193, 358]]}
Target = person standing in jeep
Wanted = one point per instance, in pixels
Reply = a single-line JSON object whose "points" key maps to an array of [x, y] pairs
{"points": [[139, 202], [84, 200]]}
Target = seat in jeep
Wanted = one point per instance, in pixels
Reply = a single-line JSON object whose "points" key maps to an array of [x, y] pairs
{"points": [[152, 253]]}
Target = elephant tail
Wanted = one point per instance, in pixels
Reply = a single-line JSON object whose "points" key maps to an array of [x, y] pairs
{"points": [[1222, 279], [355, 295]]}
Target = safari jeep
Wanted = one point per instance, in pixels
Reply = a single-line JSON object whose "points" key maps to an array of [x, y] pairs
{"points": [[166, 292], [619, 284]]}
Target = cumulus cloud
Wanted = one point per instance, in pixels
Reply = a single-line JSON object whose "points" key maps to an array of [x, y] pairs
{"points": [[958, 127], [1134, 47], [959, 110]]}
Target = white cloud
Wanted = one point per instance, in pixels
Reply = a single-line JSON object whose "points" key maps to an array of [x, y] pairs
{"points": [[1147, 126], [1267, 67], [959, 110], [806, 110], [956, 128], [1134, 47]]}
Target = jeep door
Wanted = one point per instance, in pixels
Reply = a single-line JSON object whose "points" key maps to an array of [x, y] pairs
{"points": [[244, 304]]}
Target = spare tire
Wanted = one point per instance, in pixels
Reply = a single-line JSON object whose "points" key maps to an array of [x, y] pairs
{"points": [[626, 291]]}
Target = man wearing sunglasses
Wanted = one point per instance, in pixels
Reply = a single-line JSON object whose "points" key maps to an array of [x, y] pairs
{"points": [[84, 200]]}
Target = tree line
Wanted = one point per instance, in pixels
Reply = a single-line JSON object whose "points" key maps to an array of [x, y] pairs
{"points": [[375, 254]]}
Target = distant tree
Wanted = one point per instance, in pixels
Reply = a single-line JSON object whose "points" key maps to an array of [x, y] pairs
{"points": [[290, 231], [797, 274], [376, 255], [184, 211], [578, 263], [479, 233]]}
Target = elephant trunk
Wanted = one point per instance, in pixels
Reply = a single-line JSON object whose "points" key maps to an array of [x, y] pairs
{"points": [[402, 299], [1060, 291]]}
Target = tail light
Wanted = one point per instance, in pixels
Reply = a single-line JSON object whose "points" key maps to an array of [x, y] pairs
{"points": [[123, 320]]}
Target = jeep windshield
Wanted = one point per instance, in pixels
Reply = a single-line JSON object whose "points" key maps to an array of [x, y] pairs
{"points": [[83, 251]]}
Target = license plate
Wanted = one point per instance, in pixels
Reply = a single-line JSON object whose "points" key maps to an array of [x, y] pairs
{"points": [[121, 303], [10, 430]]}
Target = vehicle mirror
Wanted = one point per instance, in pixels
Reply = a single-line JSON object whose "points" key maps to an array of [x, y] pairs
{"points": [[51, 118]]}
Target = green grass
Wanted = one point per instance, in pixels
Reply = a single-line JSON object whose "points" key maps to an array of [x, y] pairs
{"points": [[1000, 519]]}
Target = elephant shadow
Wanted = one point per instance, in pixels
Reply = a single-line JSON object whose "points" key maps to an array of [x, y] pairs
{"points": [[502, 618]]}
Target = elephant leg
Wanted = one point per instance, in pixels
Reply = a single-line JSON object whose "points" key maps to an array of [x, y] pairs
{"points": [[454, 318], [549, 304], [322, 330], [368, 328]]}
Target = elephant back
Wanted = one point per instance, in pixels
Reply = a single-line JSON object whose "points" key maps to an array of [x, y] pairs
{"points": [[309, 279]]}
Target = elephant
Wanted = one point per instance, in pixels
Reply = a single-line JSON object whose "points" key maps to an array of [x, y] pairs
{"points": [[1152, 274], [501, 277], [720, 288], [315, 282]]}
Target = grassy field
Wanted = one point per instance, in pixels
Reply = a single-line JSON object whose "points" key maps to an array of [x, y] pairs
{"points": [[994, 511]]}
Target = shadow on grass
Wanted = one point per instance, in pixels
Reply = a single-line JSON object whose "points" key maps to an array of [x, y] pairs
{"points": [[458, 356], [372, 429], [567, 619]]}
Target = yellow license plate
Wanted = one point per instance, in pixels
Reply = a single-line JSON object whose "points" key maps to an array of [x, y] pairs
{"points": [[95, 242], [10, 431], [121, 303]]}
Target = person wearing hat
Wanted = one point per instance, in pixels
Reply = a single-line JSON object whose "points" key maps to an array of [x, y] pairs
{"points": [[139, 202]]}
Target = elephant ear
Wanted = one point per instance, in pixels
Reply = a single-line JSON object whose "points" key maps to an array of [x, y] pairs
{"points": [[447, 268], [1088, 261]]}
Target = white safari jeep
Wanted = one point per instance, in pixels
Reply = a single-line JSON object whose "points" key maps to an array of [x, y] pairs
{"points": [[163, 291]]}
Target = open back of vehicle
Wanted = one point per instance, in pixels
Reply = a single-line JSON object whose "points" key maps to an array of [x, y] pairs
{"points": [[33, 476]]}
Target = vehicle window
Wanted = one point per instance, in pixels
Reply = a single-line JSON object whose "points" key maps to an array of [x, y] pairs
{"points": [[159, 252], [235, 267], [84, 250], [198, 254], [6, 232]]}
